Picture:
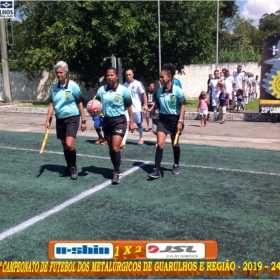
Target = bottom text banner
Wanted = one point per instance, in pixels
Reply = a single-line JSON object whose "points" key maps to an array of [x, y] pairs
{"points": [[133, 268]]}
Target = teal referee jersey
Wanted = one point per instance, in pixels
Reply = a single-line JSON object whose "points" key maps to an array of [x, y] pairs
{"points": [[66, 99], [114, 101], [170, 101]]}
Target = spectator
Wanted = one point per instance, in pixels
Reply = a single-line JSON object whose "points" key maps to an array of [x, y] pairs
{"points": [[223, 98], [203, 107], [229, 88], [151, 104], [138, 96], [214, 88]]}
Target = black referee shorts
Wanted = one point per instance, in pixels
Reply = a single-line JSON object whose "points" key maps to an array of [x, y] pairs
{"points": [[67, 127], [168, 124], [114, 126]]}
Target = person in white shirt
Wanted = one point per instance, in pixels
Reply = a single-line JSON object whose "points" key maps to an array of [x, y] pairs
{"points": [[257, 81], [238, 81], [228, 80], [251, 85], [138, 96]]}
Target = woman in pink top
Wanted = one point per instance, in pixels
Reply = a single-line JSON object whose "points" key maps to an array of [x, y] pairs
{"points": [[203, 107]]}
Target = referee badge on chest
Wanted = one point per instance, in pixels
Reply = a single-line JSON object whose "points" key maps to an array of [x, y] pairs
{"points": [[67, 95], [117, 98], [172, 99]]}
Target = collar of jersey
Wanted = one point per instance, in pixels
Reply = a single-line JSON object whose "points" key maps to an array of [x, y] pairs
{"points": [[169, 91], [66, 86], [111, 89]]}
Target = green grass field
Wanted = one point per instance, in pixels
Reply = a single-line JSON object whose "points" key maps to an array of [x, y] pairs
{"points": [[219, 195]]}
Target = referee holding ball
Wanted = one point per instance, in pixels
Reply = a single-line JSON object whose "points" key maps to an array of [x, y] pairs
{"points": [[171, 101], [115, 100]]}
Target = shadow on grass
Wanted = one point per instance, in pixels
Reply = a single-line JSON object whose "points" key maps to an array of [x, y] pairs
{"points": [[105, 172], [148, 168], [51, 168]]}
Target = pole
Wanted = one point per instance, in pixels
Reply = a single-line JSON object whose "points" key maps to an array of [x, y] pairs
{"points": [[159, 39], [113, 61], [5, 64], [217, 36], [120, 70]]}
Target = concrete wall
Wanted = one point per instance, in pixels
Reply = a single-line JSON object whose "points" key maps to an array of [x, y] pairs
{"points": [[195, 76], [194, 80]]}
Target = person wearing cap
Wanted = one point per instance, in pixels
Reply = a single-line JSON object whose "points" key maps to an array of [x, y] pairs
{"points": [[66, 101]]}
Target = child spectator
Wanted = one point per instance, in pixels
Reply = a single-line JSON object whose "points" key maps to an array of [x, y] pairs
{"points": [[240, 100], [98, 123], [151, 104], [223, 103], [203, 107]]}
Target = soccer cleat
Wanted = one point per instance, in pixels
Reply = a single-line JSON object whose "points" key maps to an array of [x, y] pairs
{"points": [[120, 173], [74, 172], [176, 169], [116, 178], [104, 143], [140, 142], [66, 172], [155, 174], [99, 141], [201, 125]]}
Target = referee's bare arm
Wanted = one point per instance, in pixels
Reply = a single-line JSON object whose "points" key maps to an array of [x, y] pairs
{"points": [[49, 115], [181, 117], [131, 124], [82, 112]]}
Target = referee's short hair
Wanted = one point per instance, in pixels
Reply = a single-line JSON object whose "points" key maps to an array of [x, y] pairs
{"points": [[63, 65]]}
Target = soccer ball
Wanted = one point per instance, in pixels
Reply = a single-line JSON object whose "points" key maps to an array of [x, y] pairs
{"points": [[94, 107]]}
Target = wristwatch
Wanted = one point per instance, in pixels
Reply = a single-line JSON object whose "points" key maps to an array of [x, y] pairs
{"points": [[181, 121], [84, 121]]}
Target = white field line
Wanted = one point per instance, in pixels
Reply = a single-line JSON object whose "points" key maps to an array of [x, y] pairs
{"points": [[36, 219], [165, 163]]}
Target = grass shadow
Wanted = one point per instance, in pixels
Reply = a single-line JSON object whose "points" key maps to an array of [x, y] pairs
{"points": [[105, 172], [52, 168], [148, 168]]}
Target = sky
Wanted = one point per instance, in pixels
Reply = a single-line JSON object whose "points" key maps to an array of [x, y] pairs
{"points": [[255, 9]]}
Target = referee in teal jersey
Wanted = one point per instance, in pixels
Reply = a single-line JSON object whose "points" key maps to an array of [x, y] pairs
{"points": [[171, 101], [66, 100], [115, 100]]}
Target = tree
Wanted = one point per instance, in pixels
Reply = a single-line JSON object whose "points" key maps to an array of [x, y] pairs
{"points": [[270, 24], [83, 33]]}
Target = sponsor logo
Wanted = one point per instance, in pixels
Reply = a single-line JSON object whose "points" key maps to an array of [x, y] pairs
{"points": [[83, 250], [175, 250], [6, 9], [119, 130]]}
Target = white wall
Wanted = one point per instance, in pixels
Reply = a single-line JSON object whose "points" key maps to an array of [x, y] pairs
{"points": [[194, 80]]}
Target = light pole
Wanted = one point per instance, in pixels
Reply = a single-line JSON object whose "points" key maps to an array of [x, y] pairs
{"points": [[5, 64], [217, 36], [159, 39]]}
